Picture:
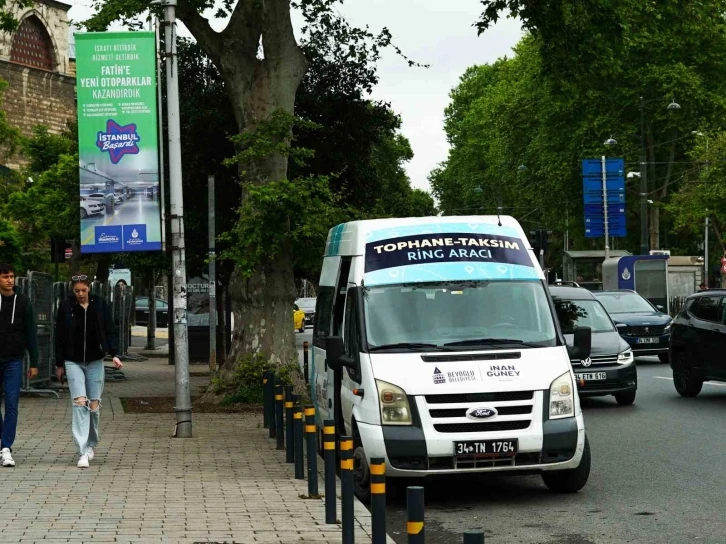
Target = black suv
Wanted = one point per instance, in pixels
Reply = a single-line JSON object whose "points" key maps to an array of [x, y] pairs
{"points": [[698, 341], [610, 368]]}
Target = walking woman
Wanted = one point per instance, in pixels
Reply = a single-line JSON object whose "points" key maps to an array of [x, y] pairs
{"points": [[84, 334]]}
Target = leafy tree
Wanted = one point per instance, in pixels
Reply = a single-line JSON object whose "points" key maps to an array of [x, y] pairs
{"points": [[11, 246], [262, 64], [575, 80]]}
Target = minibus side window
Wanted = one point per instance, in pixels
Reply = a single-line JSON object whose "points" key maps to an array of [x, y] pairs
{"points": [[341, 290], [323, 315], [352, 335]]}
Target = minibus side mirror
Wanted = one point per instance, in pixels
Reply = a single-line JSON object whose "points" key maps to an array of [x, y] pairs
{"points": [[334, 351], [582, 345]]}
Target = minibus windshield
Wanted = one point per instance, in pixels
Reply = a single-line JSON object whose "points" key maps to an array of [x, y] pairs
{"points": [[459, 315]]}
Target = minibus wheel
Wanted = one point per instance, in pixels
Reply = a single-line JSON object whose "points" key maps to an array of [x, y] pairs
{"points": [[361, 471], [572, 480]]}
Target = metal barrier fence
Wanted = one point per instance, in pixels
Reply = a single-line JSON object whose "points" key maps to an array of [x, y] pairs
{"points": [[46, 297], [676, 303]]}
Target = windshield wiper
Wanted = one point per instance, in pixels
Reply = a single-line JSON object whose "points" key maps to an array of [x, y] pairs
{"points": [[494, 341], [407, 345]]}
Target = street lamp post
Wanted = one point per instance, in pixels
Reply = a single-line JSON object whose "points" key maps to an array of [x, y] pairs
{"points": [[644, 238], [643, 174]]}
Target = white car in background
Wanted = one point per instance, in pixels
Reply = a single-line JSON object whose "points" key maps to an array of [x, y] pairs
{"points": [[90, 207]]}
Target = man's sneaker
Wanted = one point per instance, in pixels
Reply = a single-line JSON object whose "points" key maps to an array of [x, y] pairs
{"points": [[91, 454], [83, 461], [7, 458]]}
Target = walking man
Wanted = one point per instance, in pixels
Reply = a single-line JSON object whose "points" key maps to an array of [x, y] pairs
{"points": [[17, 335]]}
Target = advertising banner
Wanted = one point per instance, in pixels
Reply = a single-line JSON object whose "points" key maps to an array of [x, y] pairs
{"points": [[118, 145]]}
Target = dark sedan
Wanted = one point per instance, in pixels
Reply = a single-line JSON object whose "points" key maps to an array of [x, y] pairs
{"points": [[142, 312], [646, 328], [610, 369], [307, 305]]}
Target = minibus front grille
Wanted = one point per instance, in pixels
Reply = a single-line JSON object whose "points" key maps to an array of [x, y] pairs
{"points": [[461, 412], [471, 357], [468, 398], [488, 427]]}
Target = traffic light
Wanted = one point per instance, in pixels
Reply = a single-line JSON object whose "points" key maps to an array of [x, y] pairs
{"points": [[58, 248], [538, 239]]}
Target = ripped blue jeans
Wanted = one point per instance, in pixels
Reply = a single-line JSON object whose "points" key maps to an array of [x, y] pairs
{"points": [[85, 381]]}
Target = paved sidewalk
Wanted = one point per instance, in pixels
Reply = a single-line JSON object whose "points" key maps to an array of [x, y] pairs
{"points": [[227, 484]]}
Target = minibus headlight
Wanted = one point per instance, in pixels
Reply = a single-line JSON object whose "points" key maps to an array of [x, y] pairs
{"points": [[626, 357], [393, 400], [562, 401]]}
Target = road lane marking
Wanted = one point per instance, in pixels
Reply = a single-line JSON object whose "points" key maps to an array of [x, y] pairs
{"points": [[704, 383]]}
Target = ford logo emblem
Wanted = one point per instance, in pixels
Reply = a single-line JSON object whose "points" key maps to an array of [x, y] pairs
{"points": [[481, 413]]}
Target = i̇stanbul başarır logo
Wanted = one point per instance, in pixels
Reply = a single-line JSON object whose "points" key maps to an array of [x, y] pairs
{"points": [[118, 140]]}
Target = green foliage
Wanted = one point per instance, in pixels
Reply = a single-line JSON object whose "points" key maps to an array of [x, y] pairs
{"points": [[271, 137], [243, 384], [11, 248], [44, 149], [9, 135], [8, 8], [574, 81], [298, 212]]}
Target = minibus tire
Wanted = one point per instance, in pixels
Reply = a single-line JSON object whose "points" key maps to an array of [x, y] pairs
{"points": [[361, 471], [572, 480]]}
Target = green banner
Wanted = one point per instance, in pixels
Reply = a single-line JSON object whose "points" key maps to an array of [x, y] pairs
{"points": [[118, 144]]}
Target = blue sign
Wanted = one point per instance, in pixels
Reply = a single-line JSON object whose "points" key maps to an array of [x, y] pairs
{"points": [[593, 167], [593, 199]]}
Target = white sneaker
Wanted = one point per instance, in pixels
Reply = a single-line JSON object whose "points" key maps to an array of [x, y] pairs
{"points": [[7, 458], [83, 461], [91, 454]]}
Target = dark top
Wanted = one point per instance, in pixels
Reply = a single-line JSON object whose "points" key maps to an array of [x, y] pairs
{"points": [[84, 334], [18, 331]]}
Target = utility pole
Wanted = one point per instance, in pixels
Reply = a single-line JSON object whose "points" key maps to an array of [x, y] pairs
{"points": [[644, 242], [212, 283], [183, 408], [705, 255], [605, 206]]}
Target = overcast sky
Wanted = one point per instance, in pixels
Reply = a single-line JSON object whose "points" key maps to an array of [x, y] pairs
{"points": [[435, 32]]}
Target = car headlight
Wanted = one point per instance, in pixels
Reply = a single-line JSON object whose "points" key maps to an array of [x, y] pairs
{"points": [[668, 327], [393, 400], [562, 400], [626, 357]]}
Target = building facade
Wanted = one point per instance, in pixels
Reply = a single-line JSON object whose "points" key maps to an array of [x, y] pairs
{"points": [[37, 62]]}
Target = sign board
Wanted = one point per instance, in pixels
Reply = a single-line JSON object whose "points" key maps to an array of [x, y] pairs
{"points": [[118, 144], [593, 198]]}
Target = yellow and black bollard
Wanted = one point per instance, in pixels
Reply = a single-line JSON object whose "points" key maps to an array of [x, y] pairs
{"points": [[346, 488], [289, 428], [271, 404], [475, 536], [311, 435], [306, 368], [378, 499], [297, 416], [280, 431], [329, 458], [266, 399], [415, 525]]}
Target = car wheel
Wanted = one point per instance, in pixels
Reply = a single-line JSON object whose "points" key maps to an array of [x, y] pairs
{"points": [[572, 480], [361, 472], [84, 213], [663, 358], [625, 399], [687, 382]]}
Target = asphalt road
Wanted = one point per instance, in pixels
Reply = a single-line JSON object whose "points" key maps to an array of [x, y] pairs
{"points": [[658, 474]]}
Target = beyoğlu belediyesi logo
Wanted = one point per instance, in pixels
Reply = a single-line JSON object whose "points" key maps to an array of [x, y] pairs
{"points": [[118, 140]]}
